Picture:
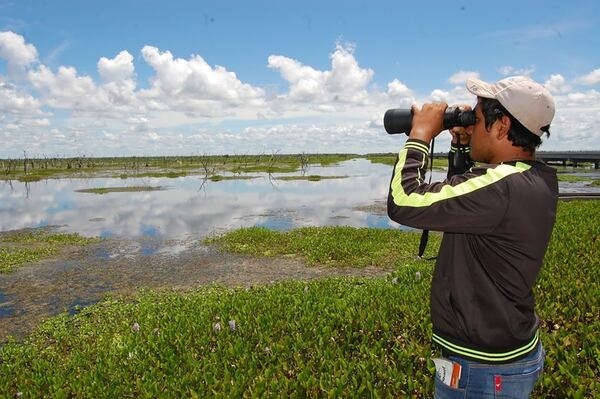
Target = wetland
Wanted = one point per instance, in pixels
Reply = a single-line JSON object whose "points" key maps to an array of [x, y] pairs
{"points": [[146, 226]]}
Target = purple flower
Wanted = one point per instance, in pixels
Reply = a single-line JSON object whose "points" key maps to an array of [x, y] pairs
{"points": [[217, 327], [135, 327], [232, 325]]}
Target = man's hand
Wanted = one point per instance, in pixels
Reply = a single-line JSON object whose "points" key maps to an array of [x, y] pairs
{"points": [[459, 133], [428, 121]]}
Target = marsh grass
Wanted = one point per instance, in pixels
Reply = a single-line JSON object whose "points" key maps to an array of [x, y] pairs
{"points": [[171, 167], [336, 337], [331, 246], [129, 189], [390, 159], [27, 246], [158, 174], [310, 177], [216, 178], [564, 177]]}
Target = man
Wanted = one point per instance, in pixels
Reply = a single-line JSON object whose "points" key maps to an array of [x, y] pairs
{"points": [[497, 219]]}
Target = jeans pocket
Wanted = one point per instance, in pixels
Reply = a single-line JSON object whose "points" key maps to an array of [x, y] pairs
{"points": [[443, 391], [515, 386]]}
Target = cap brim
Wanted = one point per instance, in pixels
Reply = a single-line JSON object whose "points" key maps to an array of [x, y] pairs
{"points": [[480, 88]]}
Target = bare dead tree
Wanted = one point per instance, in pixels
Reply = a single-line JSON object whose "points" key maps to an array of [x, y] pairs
{"points": [[303, 163]]}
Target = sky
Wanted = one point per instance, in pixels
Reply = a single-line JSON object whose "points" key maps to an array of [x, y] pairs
{"points": [[114, 78]]}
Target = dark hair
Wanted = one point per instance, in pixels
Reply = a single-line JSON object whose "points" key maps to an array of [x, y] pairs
{"points": [[518, 134]]}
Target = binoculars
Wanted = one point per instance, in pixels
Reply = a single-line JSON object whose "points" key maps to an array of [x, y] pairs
{"points": [[399, 120]]}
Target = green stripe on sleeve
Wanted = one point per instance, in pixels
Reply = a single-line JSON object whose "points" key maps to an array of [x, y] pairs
{"points": [[492, 176], [417, 146]]}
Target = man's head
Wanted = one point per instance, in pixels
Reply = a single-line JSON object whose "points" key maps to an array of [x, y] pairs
{"points": [[518, 111]]}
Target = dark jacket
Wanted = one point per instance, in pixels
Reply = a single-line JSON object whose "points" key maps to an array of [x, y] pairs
{"points": [[497, 221]]}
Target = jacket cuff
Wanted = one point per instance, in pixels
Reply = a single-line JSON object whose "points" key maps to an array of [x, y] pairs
{"points": [[418, 145]]}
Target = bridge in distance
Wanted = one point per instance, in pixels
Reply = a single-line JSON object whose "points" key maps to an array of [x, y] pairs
{"points": [[574, 158]]}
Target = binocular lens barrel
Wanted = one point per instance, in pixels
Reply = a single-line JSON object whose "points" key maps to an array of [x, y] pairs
{"points": [[399, 120]]}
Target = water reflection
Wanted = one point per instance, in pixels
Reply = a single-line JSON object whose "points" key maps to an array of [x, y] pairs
{"points": [[193, 207], [190, 208]]}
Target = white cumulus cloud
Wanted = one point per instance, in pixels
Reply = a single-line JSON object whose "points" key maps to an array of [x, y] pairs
{"points": [[591, 78], [510, 70], [194, 86], [345, 83], [118, 69], [15, 51], [398, 89], [15, 102], [65, 89], [461, 77], [557, 84]]}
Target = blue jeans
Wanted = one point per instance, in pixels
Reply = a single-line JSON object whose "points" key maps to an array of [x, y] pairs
{"points": [[510, 380]]}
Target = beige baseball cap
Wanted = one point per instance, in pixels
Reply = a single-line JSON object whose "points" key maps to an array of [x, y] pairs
{"points": [[528, 101]]}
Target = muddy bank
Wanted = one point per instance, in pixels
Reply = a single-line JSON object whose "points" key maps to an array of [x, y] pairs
{"points": [[83, 276]]}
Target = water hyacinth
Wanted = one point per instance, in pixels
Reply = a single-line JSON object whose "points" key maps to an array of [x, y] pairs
{"points": [[135, 327], [267, 350], [232, 325], [217, 327], [305, 289], [418, 275], [395, 280]]}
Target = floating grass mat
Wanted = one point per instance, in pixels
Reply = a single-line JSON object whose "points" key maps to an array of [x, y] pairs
{"points": [[167, 174], [130, 189], [17, 248], [217, 178], [572, 178], [310, 177], [338, 337]]}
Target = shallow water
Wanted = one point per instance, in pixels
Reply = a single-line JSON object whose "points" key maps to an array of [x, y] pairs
{"points": [[195, 207], [192, 206]]}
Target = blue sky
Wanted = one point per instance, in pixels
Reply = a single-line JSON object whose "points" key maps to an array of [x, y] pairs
{"points": [[191, 77]]}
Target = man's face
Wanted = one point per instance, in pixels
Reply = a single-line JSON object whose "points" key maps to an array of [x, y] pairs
{"points": [[480, 137]]}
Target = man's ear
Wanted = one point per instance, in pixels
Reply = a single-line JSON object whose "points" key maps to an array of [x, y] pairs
{"points": [[503, 126]]}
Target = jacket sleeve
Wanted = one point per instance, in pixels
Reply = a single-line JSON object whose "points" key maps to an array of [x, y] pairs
{"points": [[473, 202]]}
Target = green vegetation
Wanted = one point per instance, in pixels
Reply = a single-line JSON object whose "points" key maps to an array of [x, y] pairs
{"points": [[216, 178], [572, 178], [595, 183], [386, 159], [332, 246], [341, 337], [311, 177], [390, 159], [131, 189], [168, 174], [32, 245], [35, 169]]}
